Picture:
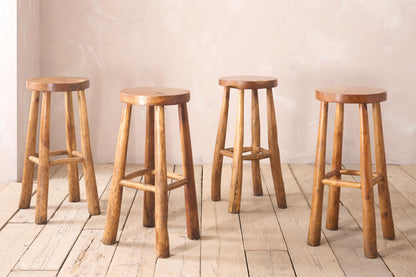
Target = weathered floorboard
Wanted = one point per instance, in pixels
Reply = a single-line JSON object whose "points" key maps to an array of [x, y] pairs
{"points": [[307, 260]]}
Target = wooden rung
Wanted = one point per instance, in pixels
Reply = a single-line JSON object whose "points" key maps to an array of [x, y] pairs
{"points": [[137, 185], [257, 156], [330, 174], [262, 154], [58, 153], [226, 153], [177, 184], [377, 179], [54, 153], [75, 153], [171, 175], [136, 173], [229, 152], [66, 161], [354, 172], [341, 183], [34, 159]]}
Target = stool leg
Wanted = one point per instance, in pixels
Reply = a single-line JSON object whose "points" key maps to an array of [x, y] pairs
{"points": [[88, 165], [43, 169], [367, 194], [116, 191], [28, 167], [219, 145], [314, 234], [334, 192], [149, 163], [161, 192], [255, 142], [191, 207], [274, 150], [73, 179], [383, 187], [237, 170]]}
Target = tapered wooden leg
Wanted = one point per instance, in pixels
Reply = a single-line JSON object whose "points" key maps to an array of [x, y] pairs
{"points": [[255, 142], [219, 145], [191, 207], [334, 192], [28, 167], [367, 194], [274, 150], [237, 170], [43, 169], [161, 193], [73, 180], [88, 164], [116, 191], [314, 233], [149, 163], [383, 187]]}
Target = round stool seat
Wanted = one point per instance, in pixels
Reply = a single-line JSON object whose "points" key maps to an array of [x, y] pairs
{"points": [[248, 82], [154, 96], [358, 95], [58, 83]]}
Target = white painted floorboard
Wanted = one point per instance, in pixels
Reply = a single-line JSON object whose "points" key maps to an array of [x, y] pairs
{"points": [[260, 241]]}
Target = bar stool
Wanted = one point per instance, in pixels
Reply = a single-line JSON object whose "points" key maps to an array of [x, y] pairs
{"points": [[155, 185], [46, 86], [257, 153], [361, 96]]}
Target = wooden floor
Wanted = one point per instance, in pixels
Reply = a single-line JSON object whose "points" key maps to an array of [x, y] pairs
{"points": [[260, 241]]}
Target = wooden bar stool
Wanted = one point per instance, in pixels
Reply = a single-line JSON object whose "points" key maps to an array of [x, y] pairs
{"points": [[361, 96], [46, 86], [257, 153], [155, 185]]}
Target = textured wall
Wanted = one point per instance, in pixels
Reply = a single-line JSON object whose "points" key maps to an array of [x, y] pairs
{"points": [[8, 99], [28, 66], [189, 44]]}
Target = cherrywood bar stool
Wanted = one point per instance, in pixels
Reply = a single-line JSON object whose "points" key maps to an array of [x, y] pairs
{"points": [[46, 86], [254, 83], [155, 185], [361, 96]]}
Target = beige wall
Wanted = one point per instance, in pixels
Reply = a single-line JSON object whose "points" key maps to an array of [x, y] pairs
{"points": [[28, 66], [8, 98], [189, 44]]}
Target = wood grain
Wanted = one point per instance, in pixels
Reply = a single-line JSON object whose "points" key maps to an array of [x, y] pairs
{"points": [[43, 167], [358, 95], [161, 192], [222, 251], [219, 145], [149, 163], [58, 83], [248, 82], [153, 96], [314, 234], [71, 145], [381, 169], [306, 260], [116, 191], [88, 164], [367, 194], [347, 242], [334, 191], [237, 173], [274, 152], [255, 142], [28, 167], [192, 220]]}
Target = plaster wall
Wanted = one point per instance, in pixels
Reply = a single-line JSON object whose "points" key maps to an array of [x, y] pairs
{"points": [[8, 95], [189, 44], [28, 66]]}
